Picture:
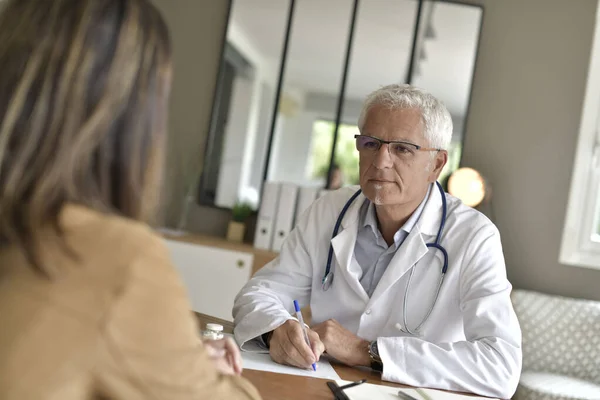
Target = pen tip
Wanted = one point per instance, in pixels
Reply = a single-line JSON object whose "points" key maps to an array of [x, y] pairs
{"points": [[314, 367]]}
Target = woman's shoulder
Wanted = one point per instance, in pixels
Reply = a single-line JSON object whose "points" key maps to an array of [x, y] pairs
{"points": [[110, 234]]}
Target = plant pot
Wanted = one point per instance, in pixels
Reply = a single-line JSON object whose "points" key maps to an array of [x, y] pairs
{"points": [[235, 231]]}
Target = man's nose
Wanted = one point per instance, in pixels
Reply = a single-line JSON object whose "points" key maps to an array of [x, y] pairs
{"points": [[383, 158]]}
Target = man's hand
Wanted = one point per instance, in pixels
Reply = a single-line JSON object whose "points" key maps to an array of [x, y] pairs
{"points": [[225, 355], [287, 346], [342, 344]]}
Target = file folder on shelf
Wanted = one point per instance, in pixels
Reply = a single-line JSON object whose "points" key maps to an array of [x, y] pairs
{"points": [[284, 221], [265, 223], [306, 196]]}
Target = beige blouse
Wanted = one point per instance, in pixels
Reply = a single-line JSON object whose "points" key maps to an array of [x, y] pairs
{"points": [[114, 322]]}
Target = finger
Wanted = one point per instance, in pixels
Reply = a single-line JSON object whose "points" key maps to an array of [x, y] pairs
{"points": [[296, 338], [316, 344], [283, 352], [292, 357], [217, 353], [223, 366], [235, 355], [235, 364], [318, 329], [212, 351]]}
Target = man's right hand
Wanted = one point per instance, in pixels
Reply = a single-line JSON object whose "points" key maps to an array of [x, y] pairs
{"points": [[287, 345]]}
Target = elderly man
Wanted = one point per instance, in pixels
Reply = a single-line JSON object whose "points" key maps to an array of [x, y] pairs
{"points": [[400, 276]]}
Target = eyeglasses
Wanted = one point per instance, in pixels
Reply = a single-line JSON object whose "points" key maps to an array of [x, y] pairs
{"points": [[370, 144]]}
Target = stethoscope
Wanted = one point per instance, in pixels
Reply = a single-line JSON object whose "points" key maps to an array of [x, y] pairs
{"points": [[328, 276]]}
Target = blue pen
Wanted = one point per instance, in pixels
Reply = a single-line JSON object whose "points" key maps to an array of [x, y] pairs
{"points": [[301, 320]]}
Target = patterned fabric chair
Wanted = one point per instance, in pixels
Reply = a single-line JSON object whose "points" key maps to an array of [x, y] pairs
{"points": [[561, 347]]}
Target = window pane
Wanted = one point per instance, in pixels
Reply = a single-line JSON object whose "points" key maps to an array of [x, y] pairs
{"points": [[311, 83], [346, 159], [243, 103], [446, 52]]}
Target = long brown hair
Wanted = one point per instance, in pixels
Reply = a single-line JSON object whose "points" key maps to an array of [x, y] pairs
{"points": [[83, 101]]}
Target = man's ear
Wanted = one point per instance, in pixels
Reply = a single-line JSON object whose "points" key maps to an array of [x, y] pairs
{"points": [[438, 163]]}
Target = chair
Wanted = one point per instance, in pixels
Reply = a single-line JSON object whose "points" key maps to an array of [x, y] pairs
{"points": [[561, 347]]}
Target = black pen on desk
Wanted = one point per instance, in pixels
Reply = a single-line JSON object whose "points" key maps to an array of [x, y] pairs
{"points": [[338, 391], [353, 384]]}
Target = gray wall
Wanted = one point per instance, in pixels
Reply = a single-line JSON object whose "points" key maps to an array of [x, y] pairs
{"points": [[521, 131], [197, 28]]}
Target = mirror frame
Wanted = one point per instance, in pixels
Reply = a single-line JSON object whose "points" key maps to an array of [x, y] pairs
{"points": [[210, 137]]}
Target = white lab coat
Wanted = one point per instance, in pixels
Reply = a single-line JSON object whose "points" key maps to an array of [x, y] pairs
{"points": [[472, 339]]}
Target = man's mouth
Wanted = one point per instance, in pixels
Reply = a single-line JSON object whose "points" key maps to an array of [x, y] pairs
{"points": [[381, 181]]}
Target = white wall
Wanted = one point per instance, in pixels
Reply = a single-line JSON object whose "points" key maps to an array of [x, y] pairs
{"points": [[250, 111], [267, 98], [522, 131], [234, 145]]}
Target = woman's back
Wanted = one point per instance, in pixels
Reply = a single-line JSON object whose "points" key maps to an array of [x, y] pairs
{"points": [[114, 323], [90, 306]]}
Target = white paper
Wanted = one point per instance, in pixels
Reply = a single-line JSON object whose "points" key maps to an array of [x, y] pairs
{"points": [[367, 391], [263, 362]]}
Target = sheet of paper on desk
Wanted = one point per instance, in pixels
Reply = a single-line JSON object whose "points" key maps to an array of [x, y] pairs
{"points": [[263, 362], [367, 391]]}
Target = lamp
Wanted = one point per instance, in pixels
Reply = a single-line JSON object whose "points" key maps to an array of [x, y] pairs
{"points": [[469, 186]]}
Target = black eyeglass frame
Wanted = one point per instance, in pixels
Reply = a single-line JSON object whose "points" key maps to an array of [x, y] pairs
{"points": [[381, 142]]}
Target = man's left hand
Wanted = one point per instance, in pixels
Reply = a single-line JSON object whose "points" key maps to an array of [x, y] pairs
{"points": [[342, 344]]}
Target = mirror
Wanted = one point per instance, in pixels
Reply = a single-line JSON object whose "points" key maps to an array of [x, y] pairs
{"points": [[244, 101], [294, 74]]}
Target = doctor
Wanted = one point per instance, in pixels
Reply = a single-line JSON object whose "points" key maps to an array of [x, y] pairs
{"points": [[415, 285]]}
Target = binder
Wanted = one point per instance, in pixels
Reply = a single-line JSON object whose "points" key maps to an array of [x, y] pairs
{"points": [[306, 196], [265, 223], [286, 209], [323, 192]]}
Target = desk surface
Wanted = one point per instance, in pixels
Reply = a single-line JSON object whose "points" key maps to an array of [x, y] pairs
{"points": [[274, 386]]}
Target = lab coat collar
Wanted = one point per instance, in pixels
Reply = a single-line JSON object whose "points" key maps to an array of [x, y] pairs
{"points": [[415, 245], [411, 251], [429, 222], [343, 249]]}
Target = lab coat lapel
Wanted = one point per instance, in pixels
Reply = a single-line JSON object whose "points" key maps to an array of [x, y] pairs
{"points": [[343, 264], [415, 245], [411, 251]]}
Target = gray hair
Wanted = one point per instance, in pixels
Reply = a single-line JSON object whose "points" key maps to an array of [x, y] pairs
{"points": [[435, 115]]}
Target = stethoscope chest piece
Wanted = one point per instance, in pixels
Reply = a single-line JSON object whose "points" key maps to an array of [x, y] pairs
{"points": [[327, 281]]}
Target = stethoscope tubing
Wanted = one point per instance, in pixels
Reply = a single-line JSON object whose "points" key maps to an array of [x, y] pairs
{"points": [[328, 276]]}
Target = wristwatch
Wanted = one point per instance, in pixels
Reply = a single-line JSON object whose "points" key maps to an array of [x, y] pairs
{"points": [[376, 362]]}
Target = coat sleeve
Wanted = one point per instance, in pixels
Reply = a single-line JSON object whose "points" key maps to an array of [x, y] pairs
{"points": [[266, 301], [488, 362], [150, 347]]}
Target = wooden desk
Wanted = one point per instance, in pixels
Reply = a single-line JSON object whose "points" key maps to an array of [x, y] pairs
{"points": [[274, 386]]}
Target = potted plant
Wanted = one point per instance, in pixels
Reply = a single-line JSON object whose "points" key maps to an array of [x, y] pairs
{"points": [[237, 226]]}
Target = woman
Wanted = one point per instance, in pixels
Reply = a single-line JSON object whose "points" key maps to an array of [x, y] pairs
{"points": [[90, 306]]}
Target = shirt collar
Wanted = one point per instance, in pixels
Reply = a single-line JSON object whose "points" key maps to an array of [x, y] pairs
{"points": [[368, 217]]}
